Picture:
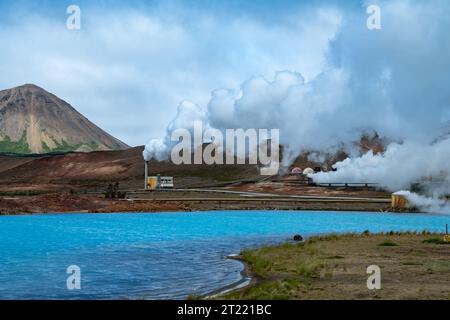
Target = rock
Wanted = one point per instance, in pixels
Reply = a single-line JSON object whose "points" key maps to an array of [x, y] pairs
{"points": [[298, 237]]}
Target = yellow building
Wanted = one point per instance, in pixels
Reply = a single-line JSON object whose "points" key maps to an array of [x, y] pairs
{"points": [[154, 183], [399, 202]]}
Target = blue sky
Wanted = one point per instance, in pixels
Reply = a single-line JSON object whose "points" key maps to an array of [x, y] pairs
{"points": [[133, 62]]}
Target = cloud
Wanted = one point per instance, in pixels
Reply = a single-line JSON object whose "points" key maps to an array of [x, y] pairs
{"points": [[394, 80], [400, 87], [130, 65]]}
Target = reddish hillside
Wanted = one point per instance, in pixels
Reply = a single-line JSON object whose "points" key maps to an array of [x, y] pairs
{"points": [[94, 170], [367, 142]]}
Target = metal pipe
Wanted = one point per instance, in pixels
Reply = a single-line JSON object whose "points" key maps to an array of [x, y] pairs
{"points": [[146, 176]]}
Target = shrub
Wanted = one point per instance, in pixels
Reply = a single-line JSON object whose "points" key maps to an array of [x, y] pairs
{"points": [[435, 241], [388, 244]]}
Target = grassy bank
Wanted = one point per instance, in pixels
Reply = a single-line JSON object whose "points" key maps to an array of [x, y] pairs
{"points": [[413, 266]]}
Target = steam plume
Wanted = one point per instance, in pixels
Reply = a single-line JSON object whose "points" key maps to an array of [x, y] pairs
{"points": [[394, 81]]}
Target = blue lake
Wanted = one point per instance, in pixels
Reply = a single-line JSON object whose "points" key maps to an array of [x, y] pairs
{"points": [[158, 256]]}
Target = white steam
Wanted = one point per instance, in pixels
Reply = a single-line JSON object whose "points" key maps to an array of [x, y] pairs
{"points": [[424, 203], [187, 114], [397, 168], [155, 149], [394, 81]]}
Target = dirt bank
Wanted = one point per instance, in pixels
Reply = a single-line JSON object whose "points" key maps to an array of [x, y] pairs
{"points": [[62, 202], [413, 266], [175, 201]]}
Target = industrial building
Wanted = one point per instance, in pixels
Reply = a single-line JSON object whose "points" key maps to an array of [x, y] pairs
{"points": [[157, 182]]}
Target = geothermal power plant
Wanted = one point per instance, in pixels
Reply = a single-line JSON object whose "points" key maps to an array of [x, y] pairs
{"points": [[158, 185]]}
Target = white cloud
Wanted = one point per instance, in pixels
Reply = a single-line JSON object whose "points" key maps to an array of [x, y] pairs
{"points": [[127, 70], [394, 81]]}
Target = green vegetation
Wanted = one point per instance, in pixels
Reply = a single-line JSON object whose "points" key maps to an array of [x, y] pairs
{"points": [[435, 241], [92, 145], [334, 267], [46, 148], [335, 257], [388, 244], [21, 146], [285, 271], [63, 146]]}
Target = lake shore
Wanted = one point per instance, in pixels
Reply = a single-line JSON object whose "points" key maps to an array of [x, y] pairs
{"points": [[247, 279], [183, 202], [413, 266], [166, 255]]}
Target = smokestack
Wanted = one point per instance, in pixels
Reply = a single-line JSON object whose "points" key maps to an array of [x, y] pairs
{"points": [[146, 176]]}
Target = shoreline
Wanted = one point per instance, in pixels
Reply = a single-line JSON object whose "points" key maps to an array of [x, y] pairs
{"points": [[247, 279], [217, 210], [187, 201], [251, 279], [332, 267]]}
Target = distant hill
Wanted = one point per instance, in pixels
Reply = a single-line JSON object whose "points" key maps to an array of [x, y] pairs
{"points": [[94, 170], [33, 120]]}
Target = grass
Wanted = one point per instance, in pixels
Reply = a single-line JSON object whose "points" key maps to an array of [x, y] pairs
{"points": [[334, 267], [63, 146], [435, 241], [334, 257], [387, 244], [21, 146]]}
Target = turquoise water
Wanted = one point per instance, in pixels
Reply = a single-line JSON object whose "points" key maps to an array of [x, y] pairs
{"points": [[157, 256]]}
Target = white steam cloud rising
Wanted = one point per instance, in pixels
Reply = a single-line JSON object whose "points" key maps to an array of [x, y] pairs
{"points": [[394, 81]]}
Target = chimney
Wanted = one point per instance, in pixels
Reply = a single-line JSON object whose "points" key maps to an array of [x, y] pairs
{"points": [[146, 176]]}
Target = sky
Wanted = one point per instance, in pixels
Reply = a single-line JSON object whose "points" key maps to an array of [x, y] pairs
{"points": [[133, 62], [312, 69]]}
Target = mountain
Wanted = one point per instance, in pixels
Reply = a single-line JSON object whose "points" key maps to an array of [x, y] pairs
{"points": [[33, 120]]}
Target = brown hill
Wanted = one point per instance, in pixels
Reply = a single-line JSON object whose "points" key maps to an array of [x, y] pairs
{"points": [[33, 120], [94, 170]]}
